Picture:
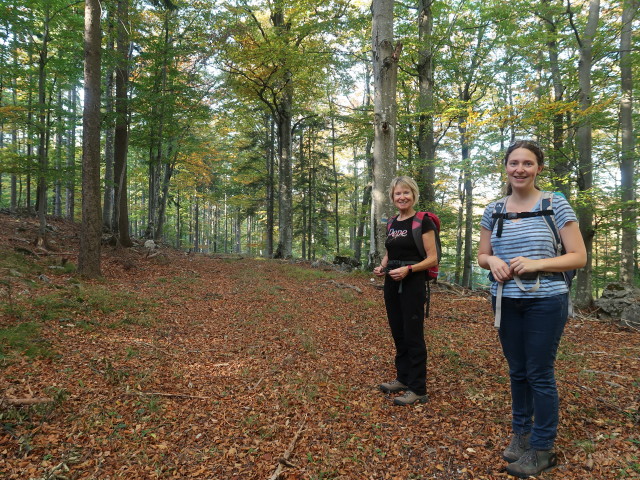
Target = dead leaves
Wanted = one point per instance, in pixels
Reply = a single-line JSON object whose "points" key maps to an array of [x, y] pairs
{"points": [[252, 370]]}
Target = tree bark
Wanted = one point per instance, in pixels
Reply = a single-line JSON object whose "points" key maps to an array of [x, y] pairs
{"points": [[558, 162], [42, 133], [71, 155], [108, 207], [270, 159], [627, 162], [121, 136], [91, 232], [584, 210], [426, 138], [385, 75]]}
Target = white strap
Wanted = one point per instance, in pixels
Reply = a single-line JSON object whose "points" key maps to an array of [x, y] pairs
{"points": [[496, 323], [535, 287], [498, 316]]}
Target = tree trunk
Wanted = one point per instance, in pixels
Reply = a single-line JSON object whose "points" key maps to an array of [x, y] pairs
{"points": [[91, 232], [270, 158], [558, 162], [71, 155], [42, 135], [426, 139], [121, 137], [285, 180], [57, 196], [468, 205], [629, 209], [385, 75], [336, 188], [584, 292], [108, 198], [164, 195]]}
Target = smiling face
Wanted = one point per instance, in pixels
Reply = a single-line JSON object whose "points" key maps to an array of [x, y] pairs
{"points": [[403, 198], [522, 168]]}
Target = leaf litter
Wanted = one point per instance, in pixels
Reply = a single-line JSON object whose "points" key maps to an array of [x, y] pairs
{"points": [[225, 367]]}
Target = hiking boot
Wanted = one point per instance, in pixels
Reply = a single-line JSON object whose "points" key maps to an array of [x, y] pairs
{"points": [[532, 462], [393, 387], [518, 445], [409, 398]]}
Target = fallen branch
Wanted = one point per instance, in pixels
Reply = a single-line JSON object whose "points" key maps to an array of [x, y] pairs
{"points": [[344, 285], [284, 460], [20, 402], [175, 395], [608, 373]]}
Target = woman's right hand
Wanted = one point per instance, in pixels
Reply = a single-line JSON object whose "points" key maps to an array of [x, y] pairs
{"points": [[499, 269], [380, 271]]}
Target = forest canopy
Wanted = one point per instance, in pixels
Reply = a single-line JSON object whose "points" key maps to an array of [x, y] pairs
{"points": [[248, 126]]}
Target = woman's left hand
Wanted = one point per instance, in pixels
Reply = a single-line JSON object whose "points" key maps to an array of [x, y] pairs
{"points": [[399, 273], [521, 265]]}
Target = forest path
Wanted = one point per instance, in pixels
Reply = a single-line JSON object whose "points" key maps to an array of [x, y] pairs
{"points": [[196, 366]]}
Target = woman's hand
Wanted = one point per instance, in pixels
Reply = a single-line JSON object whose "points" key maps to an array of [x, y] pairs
{"points": [[521, 265], [499, 269], [399, 273], [380, 271]]}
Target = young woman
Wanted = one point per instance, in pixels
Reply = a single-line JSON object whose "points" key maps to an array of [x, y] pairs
{"points": [[531, 299], [405, 292]]}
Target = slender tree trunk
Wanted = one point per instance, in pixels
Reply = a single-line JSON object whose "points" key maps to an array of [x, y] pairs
{"points": [[121, 137], [164, 195], [385, 74], [42, 135], [57, 197], [71, 155], [468, 207], [426, 139], [270, 184], [558, 162], [91, 232], [584, 291], [627, 163], [15, 147], [366, 195], [108, 198], [336, 204]]}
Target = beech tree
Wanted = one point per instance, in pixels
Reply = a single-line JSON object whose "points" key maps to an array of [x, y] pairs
{"points": [[627, 153], [385, 58], [91, 231]]}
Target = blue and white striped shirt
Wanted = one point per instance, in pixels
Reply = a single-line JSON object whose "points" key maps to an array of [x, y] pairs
{"points": [[531, 238]]}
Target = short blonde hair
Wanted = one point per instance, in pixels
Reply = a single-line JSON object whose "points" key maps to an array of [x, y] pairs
{"points": [[408, 182]]}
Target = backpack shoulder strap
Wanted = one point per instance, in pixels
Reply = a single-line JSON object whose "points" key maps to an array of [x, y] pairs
{"points": [[416, 230], [390, 221], [498, 207], [546, 203]]}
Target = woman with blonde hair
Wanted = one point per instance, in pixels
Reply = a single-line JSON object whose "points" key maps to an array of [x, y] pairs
{"points": [[405, 270]]}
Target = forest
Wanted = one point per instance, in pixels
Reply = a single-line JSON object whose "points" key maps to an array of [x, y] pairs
{"points": [[272, 128]]}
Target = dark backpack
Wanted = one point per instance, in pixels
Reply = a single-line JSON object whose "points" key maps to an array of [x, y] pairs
{"points": [[547, 213], [416, 231]]}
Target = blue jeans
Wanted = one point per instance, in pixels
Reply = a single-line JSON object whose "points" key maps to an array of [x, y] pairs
{"points": [[530, 334]]}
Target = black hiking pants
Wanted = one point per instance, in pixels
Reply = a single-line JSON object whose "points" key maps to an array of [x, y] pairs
{"points": [[404, 302]]}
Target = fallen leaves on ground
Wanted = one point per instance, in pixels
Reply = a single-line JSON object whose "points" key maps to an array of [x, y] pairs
{"points": [[224, 367]]}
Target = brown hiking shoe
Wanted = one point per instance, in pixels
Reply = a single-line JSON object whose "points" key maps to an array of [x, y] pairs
{"points": [[409, 398], [532, 462], [518, 445], [393, 386]]}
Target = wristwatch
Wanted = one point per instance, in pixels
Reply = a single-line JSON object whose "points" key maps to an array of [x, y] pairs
{"points": [[410, 268]]}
